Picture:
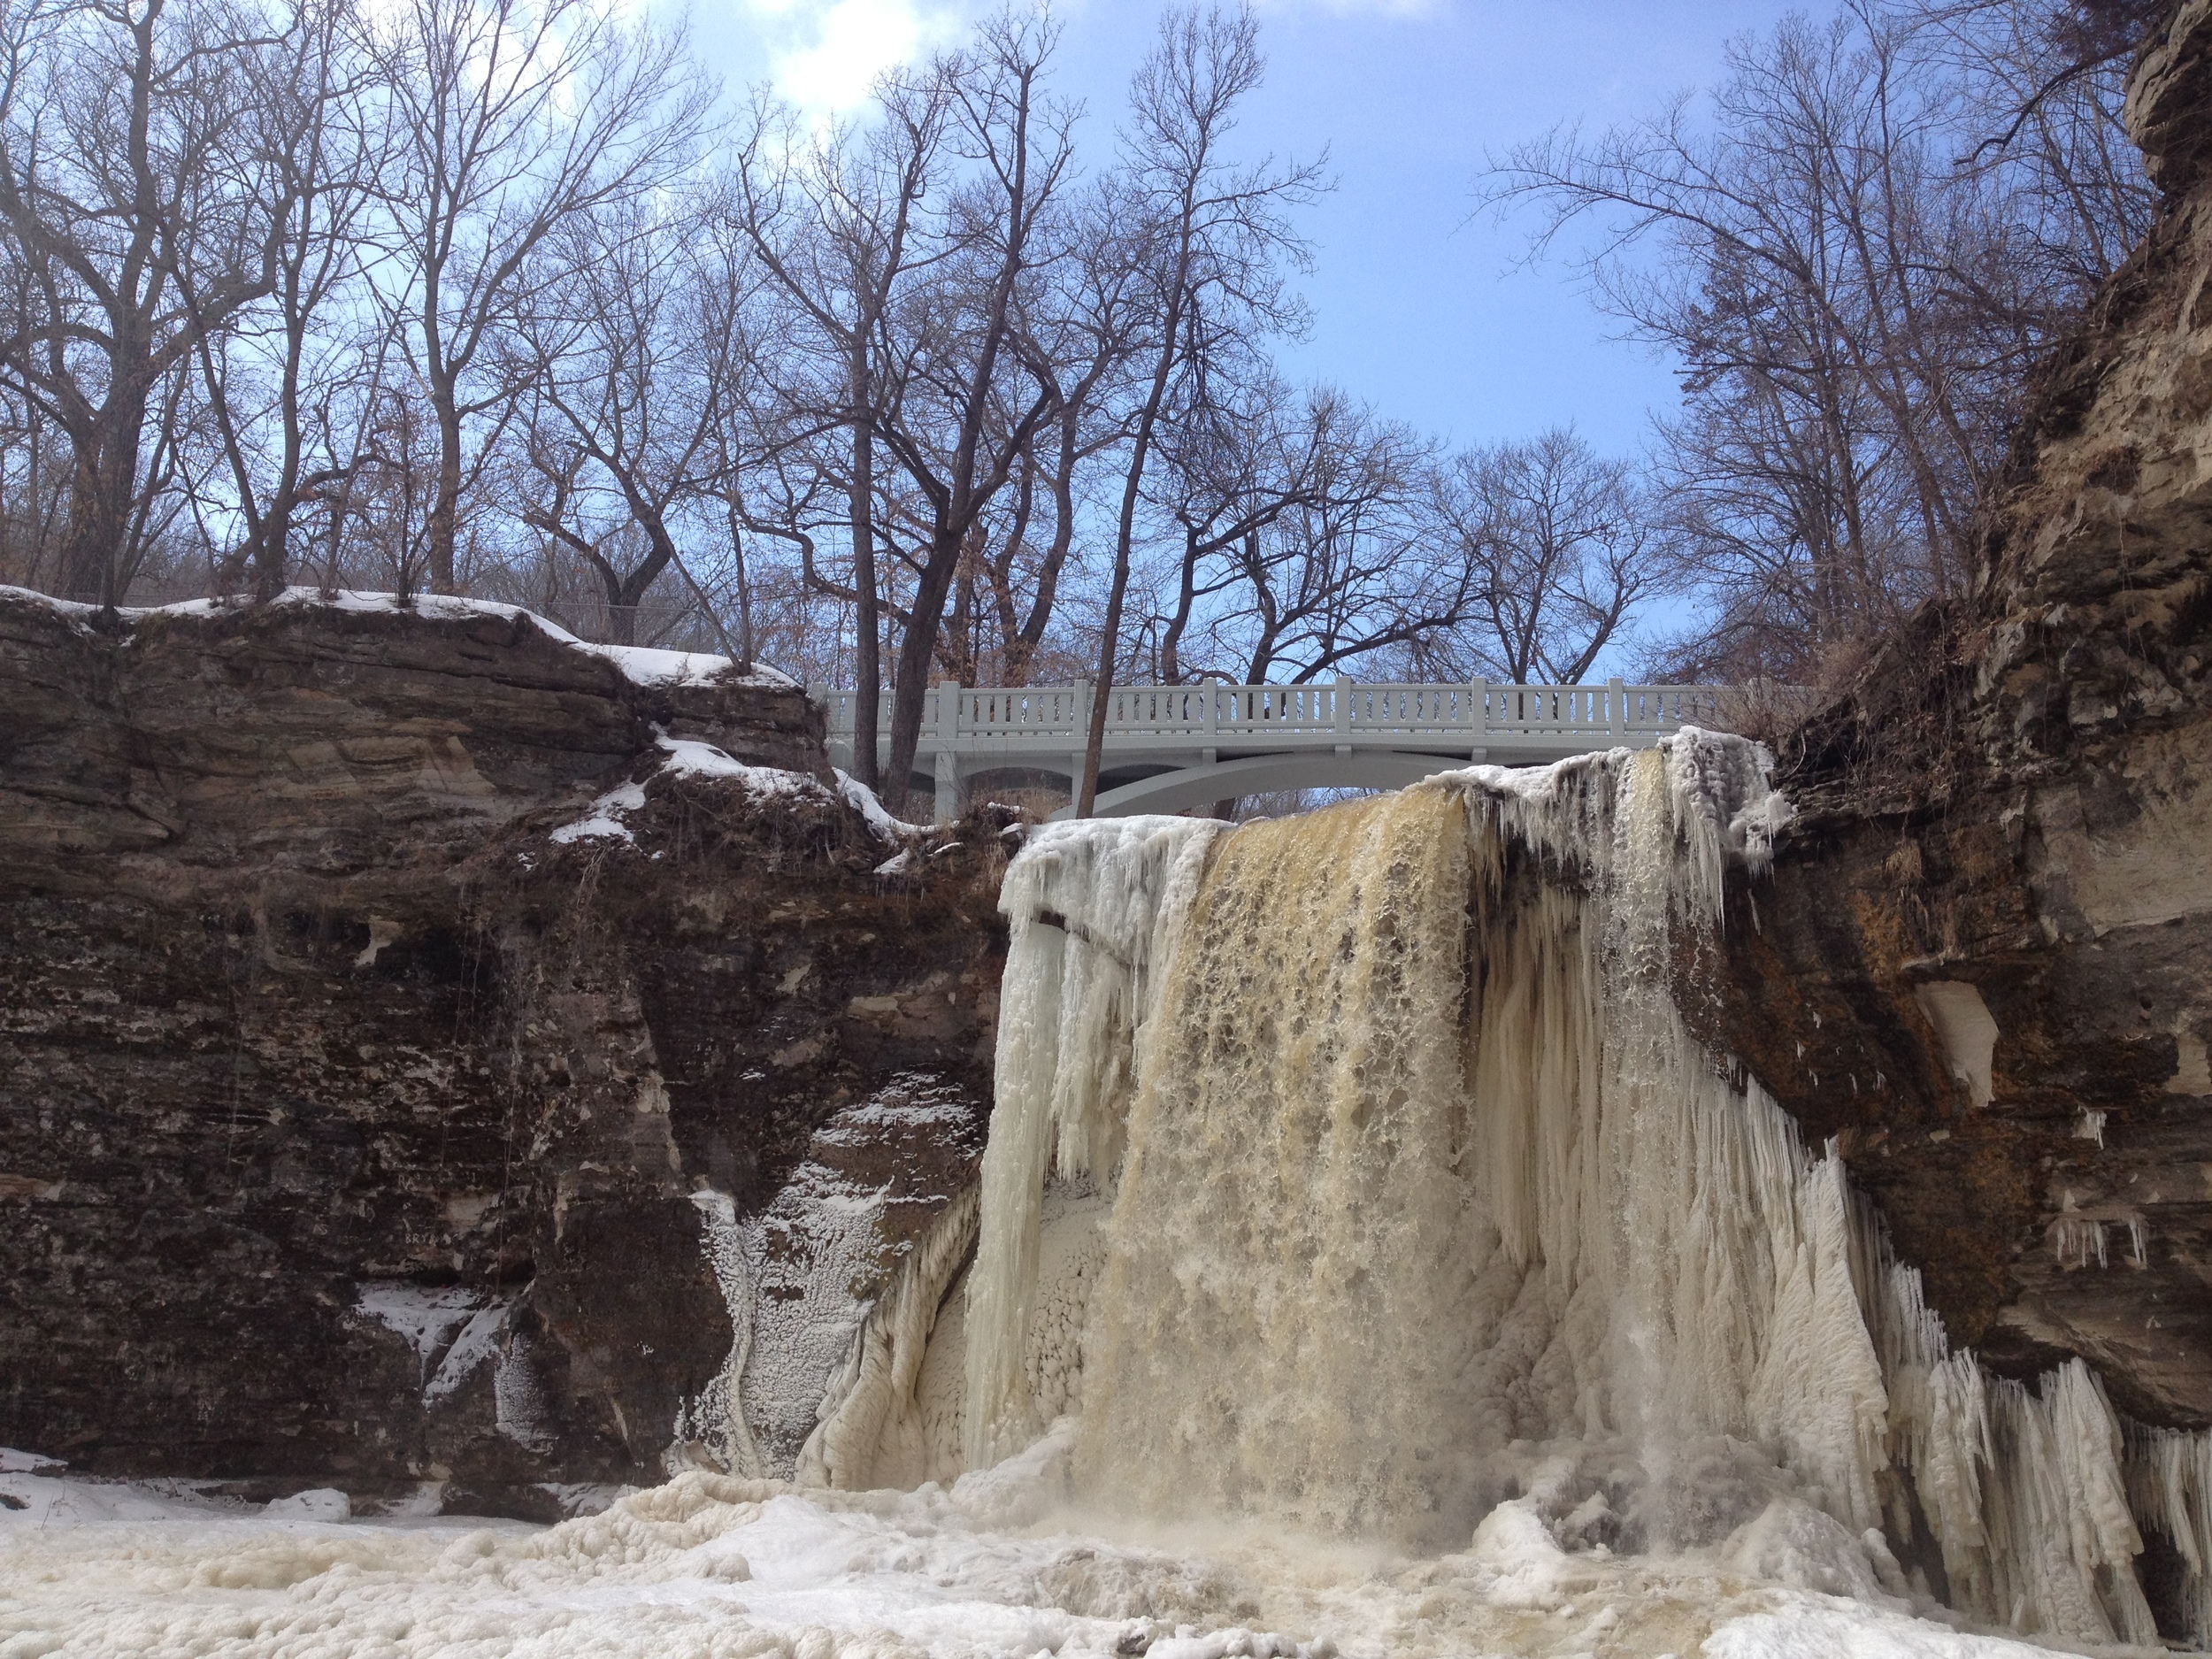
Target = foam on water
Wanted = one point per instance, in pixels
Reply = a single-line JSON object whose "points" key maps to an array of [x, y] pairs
{"points": [[715, 1567]]}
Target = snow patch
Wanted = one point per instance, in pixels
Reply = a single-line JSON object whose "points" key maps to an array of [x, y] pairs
{"points": [[603, 820], [639, 665], [690, 757], [318, 1504], [866, 801]]}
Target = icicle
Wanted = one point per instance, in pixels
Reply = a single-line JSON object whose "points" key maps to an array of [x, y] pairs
{"points": [[1819, 1391], [2169, 1482], [2062, 1541], [2077, 1241], [1093, 907], [869, 1433]]}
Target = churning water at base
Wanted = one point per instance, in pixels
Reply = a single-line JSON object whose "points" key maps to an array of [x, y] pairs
{"points": [[1423, 1197]]}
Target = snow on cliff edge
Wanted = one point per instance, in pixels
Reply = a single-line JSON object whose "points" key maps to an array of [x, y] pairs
{"points": [[639, 665]]}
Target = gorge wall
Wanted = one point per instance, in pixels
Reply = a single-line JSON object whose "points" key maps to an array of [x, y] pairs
{"points": [[1984, 957], [392, 1002], [418, 1031]]}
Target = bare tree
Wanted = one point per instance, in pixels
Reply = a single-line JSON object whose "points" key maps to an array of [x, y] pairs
{"points": [[142, 213], [514, 118], [1236, 459], [833, 223], [1338, 567], [268, 380], [1565, 543], [1083, 338], [2036, 95], [632, 341], [973, 389], [30, 511], [1855, 294], [1219, 239]]}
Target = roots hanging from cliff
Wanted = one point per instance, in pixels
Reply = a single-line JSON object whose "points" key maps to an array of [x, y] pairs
{"points": [[1423, 1194]]}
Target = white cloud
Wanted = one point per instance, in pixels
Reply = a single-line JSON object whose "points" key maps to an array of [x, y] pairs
{"points": [[825, 54]]}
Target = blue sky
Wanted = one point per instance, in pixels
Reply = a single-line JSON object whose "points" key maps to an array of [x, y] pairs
{"points": [[1419, 309]]}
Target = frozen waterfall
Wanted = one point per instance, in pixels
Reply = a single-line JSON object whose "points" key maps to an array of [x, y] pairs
{"points": [[1359, 1170]]}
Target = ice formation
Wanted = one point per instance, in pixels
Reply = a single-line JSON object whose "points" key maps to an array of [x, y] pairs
{"points": [[1091, 907], [1420, 1187], [822, 1372], [878, 1425], [2169, 1484], [1353, 1182], [727, 1568], [1969, 1033]]}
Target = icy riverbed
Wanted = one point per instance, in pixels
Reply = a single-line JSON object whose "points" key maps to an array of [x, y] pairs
{"points": [[717, 1568]]}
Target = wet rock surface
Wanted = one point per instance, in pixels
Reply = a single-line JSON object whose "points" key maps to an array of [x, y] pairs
{"points": [[350, 1123]]}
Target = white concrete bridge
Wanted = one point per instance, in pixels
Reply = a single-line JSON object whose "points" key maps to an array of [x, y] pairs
{"points": [[1173, 747]]}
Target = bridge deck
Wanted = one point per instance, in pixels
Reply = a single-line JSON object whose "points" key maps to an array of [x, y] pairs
{"points": [[1167, 746]]}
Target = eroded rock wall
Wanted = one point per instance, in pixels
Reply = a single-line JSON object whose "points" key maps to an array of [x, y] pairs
{"points": [[2008, 824], [355, 1128]]}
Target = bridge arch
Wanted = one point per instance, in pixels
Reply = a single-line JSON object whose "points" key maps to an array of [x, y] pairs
{"points": [[1169, 748], [1200, 785]]}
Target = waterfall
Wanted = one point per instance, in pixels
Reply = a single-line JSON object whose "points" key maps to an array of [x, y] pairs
{"points": [[1359, 1170], [1091, 907]]}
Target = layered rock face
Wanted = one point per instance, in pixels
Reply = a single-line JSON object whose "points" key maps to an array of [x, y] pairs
{"points": [[390, 1002], [1984, 957], [419, 1033]]}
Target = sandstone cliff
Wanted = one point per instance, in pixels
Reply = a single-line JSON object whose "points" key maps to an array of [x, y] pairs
{"points": [[1984, 959], [390, 1003], [417, 1032]]}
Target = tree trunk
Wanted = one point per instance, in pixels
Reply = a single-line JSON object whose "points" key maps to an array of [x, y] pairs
{"points": [[1186, 601], [269, 549], [916, 654], [1022, 651], [445, 504], [101, 485], [867, 628], [1125, 532]]}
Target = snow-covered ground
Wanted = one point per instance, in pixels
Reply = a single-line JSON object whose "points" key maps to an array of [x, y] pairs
{"points": [[718, 1568], [641, 664], [687, 757]]}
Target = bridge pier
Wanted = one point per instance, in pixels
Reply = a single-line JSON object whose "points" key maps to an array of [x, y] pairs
{"points": [[948, 786]]}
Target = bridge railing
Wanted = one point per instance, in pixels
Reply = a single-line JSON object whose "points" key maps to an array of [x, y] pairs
{"points": [[1205, 713]]}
